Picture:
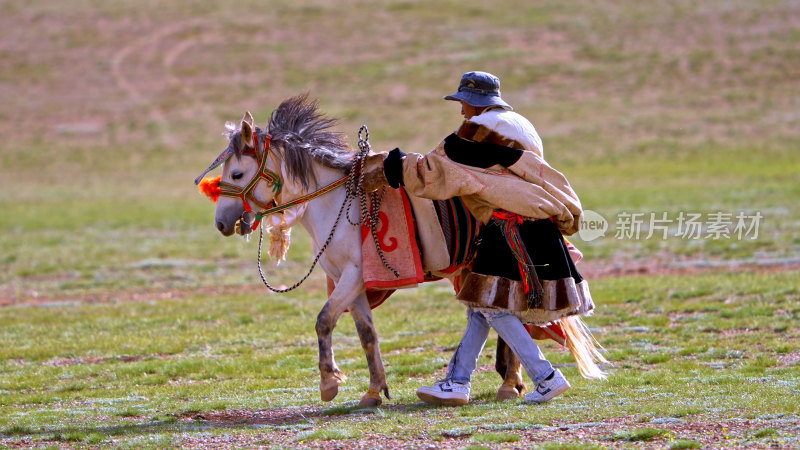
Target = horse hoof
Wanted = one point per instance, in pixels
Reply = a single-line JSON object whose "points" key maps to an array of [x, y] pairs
{"points": [[370, 400], [507, 393], [328, 390]]}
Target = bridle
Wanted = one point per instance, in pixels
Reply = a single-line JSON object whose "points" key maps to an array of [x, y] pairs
{"points": [[352, 182], [246, 193]]}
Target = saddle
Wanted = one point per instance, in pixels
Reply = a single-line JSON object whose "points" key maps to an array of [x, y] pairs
{"points": [[423, 240]]}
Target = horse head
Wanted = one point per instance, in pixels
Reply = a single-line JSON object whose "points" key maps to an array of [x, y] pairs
{"points": [[247, 185], [304, 148]]}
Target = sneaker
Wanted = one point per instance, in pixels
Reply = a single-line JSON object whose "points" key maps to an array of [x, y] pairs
{"points": [[445, 392], [548, 389]]}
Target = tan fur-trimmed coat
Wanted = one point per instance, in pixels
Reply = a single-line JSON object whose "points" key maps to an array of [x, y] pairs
{"points": [[530, 187]]}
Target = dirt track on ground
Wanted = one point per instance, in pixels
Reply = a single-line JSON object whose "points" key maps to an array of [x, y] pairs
{"points": [[589, 271], [613, 433]]}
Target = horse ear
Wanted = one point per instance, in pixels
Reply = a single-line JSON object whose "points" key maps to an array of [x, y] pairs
{"points": [[248, 118], [247, 133]]}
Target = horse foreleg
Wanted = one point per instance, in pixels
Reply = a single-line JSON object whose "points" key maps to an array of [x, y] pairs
{"points": [[508, 366], [330, 375], [362, 316]]}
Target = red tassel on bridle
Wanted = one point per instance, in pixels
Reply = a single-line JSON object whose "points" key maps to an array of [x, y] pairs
{"points": [[210, 187]]}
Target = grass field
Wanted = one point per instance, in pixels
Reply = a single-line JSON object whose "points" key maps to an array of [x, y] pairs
{"points": [[127, 320]]}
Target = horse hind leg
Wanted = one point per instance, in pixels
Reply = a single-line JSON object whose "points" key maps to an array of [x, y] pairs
{"points": [[330, 375], [508, 366], [362, 316]]}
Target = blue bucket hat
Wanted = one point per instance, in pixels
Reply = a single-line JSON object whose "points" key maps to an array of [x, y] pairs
{"points": [[480, 89]]}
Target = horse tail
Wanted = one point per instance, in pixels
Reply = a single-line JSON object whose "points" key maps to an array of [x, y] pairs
{"points": [[584, 347]]}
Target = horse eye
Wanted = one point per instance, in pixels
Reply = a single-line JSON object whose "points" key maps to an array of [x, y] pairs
{"points": [[237, 175]]}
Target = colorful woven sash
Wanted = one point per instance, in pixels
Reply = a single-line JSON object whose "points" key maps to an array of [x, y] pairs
{"points": [[509, 225]]}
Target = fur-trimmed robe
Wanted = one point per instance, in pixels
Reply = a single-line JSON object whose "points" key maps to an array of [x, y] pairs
{"points": [[528, 186]]}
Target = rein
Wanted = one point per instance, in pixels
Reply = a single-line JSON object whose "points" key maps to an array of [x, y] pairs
{"points": [[300, 200], [353, 182]]}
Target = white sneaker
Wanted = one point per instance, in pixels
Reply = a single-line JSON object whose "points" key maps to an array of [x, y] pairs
{"points": [[445, 392], [548, 389]]}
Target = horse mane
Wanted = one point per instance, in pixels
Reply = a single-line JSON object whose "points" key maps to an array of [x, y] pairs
{"points": [[303, 132]]}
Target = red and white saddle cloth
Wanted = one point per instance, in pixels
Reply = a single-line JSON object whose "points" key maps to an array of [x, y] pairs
{"points": [[397, 236]]}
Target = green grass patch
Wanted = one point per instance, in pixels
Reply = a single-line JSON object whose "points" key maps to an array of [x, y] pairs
{"points": [[18, 429], [639, 434], [765, 432], [327, 435], [129, 412], [684, 444], [495, 437], [656, 359], [94, 438]]}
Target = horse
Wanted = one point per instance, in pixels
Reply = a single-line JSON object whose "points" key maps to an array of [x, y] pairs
{"points": [[298, 153]]}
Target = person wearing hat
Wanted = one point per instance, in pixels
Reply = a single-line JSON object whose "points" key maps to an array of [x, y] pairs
{"points": [[522, 271]]}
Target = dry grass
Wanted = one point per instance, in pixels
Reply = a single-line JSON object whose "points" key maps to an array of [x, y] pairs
{"points": [[119, 67]]}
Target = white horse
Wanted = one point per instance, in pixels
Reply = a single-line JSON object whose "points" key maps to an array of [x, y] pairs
{"points": [[297, 154]]}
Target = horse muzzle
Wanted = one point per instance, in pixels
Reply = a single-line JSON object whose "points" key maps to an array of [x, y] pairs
{"points": [[244, 226], [225, 229], [241, 226]]}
